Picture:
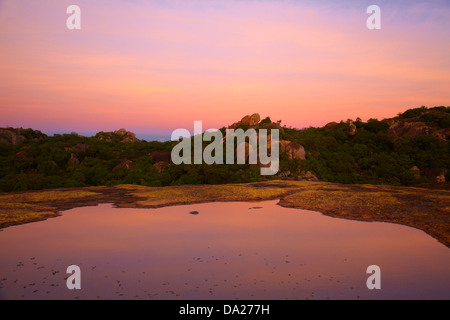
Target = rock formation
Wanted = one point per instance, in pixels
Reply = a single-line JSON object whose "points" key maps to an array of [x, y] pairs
{"points": [[127, 135], [351, 129], [22, 155], [245, 120], [123, 134], [415, 171], [11, 136], [330, 126], [308, 175], [413, 128], [161, 166], [440, 178], [74, 161], [250, 121], [254, 119], [293, 149], [127, 164], [435, 174]]}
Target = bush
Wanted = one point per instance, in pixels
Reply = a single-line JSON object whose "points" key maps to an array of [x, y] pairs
{"points": [[412, 113], [265, 120]]}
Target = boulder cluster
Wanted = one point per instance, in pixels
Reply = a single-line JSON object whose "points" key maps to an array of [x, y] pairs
{"points": [[292, 149], [11, 136], [123, 134], [414, 128]]}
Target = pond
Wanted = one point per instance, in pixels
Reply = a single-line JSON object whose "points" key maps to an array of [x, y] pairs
{"points": [[219, 250]]}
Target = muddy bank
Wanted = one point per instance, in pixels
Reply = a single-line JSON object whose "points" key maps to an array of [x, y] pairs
{"points": [[422, 208]]}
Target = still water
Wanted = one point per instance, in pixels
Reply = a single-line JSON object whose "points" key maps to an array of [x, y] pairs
{"points": [[228, 250]]}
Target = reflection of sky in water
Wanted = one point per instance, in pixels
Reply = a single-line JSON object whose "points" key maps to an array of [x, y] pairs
{"points": [[227, 251]]}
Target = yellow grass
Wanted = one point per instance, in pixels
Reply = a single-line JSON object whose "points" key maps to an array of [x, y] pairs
{"points": [[18, 208], [422, 208], [204, 193]]}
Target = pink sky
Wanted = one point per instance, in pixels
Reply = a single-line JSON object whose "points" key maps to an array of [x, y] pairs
{"points": [[154, 66]]}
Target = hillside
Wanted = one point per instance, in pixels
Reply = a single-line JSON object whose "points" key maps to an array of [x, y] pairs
{"points": [[409, 149]]}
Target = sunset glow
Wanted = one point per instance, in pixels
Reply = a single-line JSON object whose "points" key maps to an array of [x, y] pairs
{"points": [[154, 66]]}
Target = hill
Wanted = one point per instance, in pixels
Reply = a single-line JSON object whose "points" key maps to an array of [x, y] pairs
{"points": [[409, 149]]}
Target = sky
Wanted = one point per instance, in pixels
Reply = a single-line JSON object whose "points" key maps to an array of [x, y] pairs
{"points": [[154, 66]]}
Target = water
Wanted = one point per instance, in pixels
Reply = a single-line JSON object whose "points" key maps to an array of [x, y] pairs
{"points": [[231, 250]]}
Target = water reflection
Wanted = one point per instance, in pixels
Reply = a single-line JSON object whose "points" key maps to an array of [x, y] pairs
{"points": [[233, 250]]}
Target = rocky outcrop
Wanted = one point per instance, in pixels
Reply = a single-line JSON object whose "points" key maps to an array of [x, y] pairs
{"points": [[161, 166], [127, 164], [254, 119], [123, 134], [248, 120], [254, 122], [415, 171], [293, 149], [414, 128], [351, 129], [22, 155], [435, 174], [330, 126], [129, 139], [244, 120], [127, 135], [11, 136], [74, 161], [104, 136], [309, 176]]}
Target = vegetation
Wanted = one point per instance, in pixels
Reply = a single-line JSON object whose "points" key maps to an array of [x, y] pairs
{"points": [[367, 154], [70, 160], [370, 155], [28, 207]]}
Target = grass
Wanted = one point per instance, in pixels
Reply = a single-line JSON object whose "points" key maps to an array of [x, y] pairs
{"points": [[421, 208], [155, 197], [24, 207], [426, 209]]}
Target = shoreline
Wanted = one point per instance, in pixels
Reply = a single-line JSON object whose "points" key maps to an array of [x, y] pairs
{"points": [[421, 208]]}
